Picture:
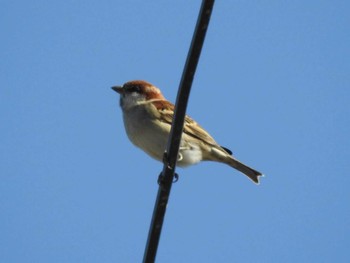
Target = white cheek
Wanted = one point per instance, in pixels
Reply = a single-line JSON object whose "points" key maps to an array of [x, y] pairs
{"points": [[131, 100]]}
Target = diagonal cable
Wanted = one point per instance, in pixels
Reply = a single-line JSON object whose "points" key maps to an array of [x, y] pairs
{"points": [[170, 158]]}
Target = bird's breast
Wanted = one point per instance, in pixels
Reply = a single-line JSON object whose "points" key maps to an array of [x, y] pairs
{"points": [[151, 135], [146, 132]]}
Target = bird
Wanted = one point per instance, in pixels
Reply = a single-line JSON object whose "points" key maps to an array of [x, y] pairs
{"points": [[148, 116]]}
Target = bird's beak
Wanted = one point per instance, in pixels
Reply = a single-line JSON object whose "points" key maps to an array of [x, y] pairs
{"points": [[118, 89]]}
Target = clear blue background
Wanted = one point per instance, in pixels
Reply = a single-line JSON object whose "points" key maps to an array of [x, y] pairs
{"points": [[272, 84]]}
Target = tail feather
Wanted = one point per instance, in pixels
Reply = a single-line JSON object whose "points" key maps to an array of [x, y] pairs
{"points": [[224, 155], [248, 171]]}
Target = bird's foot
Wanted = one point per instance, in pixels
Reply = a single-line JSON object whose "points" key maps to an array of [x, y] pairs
{"points": [[166, 159], [176, 178], [160, 180]]}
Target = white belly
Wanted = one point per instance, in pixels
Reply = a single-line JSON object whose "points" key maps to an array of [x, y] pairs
{"points": [[152, 137]]}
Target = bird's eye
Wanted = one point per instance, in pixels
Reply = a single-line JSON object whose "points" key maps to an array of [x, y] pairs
{"points": [[135, 89]]}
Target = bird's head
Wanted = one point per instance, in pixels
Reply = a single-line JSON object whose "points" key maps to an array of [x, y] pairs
{"points": [[137, 92]]}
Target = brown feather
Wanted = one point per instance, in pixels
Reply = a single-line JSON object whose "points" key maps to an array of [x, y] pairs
{"points": [[191, 127]]}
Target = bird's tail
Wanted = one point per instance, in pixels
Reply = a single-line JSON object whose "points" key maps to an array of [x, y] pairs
{"points": [[248, 171]]}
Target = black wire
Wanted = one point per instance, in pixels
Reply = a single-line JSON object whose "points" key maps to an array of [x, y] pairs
{"points": [[167, 176]]}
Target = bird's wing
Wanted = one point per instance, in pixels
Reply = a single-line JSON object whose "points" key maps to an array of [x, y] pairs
{"points": [[191, 128]]}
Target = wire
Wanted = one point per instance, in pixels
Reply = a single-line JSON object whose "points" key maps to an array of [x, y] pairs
{"points": [[170, 157]]}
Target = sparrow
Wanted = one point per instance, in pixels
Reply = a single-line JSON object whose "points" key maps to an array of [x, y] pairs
{"points": [[147, 119]]}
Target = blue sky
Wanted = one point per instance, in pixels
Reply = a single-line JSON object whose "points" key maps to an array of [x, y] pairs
{"points": [[272, 85]]}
